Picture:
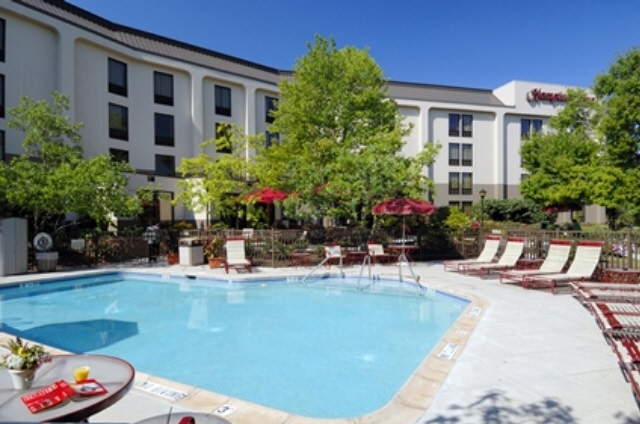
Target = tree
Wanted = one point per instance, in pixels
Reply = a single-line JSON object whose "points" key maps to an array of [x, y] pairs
{"points": [[341, 138], [562, 162], [215, 180], [52, 178], [619, 127]]}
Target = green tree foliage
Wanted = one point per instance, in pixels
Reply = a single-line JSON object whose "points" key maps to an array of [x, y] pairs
{"points": [[618, 90], [513, 210], [218, 180], [592, 154], [561, 163], [341, 138], [51, 177]]}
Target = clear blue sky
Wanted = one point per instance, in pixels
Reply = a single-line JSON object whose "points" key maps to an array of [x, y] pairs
{"points": [[467, 43]]}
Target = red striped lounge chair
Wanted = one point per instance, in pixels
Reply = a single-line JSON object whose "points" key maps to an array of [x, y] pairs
{"points": [[582, 268], [554, 263], [488, 254]]}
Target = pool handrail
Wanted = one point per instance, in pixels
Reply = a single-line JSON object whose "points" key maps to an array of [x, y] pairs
{"points": [[304, 279], [402, 259], [366, 260]]}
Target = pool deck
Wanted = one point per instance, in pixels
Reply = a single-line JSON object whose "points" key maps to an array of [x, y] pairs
{"points": [[514, 356]]}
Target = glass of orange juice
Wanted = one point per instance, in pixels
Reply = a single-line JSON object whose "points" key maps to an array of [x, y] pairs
{"points": [[81, 373]]}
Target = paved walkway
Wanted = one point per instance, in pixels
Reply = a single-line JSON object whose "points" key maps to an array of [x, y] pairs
{"points": [[532, 358]]}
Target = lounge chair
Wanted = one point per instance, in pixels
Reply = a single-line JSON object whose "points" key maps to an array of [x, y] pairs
{"points": [[582, 268], [333, 255], [488, 254], [377, 253], [586, 292], [508, 259], [554, 263], [236, 255]]}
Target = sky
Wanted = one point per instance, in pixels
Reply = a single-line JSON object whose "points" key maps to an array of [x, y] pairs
{"points": [[464, 43]]}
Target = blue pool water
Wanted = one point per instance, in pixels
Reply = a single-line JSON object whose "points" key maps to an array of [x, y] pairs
{"points": [[321, 350]]}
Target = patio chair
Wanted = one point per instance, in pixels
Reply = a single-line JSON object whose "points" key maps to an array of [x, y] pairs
{"points": [[236, 255], [508, 259], [488, 254], [333, 255], [377, 253], [554, 263], [582, 268]]}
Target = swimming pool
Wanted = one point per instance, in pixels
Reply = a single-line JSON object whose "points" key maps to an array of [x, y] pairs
{"points": [[322, 350]]}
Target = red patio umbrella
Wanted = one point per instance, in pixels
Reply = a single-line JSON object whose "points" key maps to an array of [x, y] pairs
{"points": [[403, 206], [266, 196]]}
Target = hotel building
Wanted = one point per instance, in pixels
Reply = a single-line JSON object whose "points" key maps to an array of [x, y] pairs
{"points": [[151, 101]]}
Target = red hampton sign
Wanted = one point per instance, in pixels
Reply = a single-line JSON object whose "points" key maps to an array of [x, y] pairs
{"points": [[537, 95]]}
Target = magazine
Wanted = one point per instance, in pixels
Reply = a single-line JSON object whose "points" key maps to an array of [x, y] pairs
{"points": [[47, 397], [88, 388]]}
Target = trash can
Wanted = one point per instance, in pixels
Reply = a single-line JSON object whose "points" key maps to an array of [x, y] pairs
{"points": [[190, 251]]}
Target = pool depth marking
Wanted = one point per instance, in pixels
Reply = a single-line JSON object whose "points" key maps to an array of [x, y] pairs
{"points": [[448, 351], [161, 390]]}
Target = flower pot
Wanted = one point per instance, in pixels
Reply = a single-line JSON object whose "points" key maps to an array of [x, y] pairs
{"points": [[215, 263], [22, 379], [172, 258]]}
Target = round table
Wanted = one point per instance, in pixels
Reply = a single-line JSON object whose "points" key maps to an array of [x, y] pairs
{"points": [[183, 418], [399, 249], [115, 374]]}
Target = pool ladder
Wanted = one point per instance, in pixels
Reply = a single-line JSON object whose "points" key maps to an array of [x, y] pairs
{"points": [[402, 259], [324, 261]]}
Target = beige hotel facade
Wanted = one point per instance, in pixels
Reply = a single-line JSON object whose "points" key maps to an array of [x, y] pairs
{"points": [[151, 101]]}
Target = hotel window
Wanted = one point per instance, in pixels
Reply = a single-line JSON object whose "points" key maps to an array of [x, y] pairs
{"points": [[117, 77], [466, 207], [269, 107], [164, 130], [1, 96], [223, 137], [453, 204], [166, 165], [467, 183], [454, 125], [3, 26], [467, 155], [118, 155], [530, 126], [454, 183], [223, 101], [467, 125], [454, 154], [163, 88], [118, 122], [460, 124], [2, 146]]}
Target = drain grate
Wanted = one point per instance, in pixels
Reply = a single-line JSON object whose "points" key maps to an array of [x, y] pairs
{"points": [[161, 390]]}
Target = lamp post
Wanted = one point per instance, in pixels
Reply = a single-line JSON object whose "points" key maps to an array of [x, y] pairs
{"points": [[483, 193]]}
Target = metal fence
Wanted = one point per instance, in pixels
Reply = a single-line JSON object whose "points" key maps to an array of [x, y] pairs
{"points": [[274, 247]]}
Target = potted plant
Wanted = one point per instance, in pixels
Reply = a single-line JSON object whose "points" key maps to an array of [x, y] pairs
{"points": [[22, 361], [213, 251]]}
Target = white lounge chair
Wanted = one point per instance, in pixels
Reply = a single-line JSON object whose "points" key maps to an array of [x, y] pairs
{"points": [[488, 254], [377, 253], [582, 268], [236, 255], [508, 259], [554, 263], [333, 254]]}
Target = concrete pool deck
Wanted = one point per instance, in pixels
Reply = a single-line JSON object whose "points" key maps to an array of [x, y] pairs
{"points": [[522, 356]]}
